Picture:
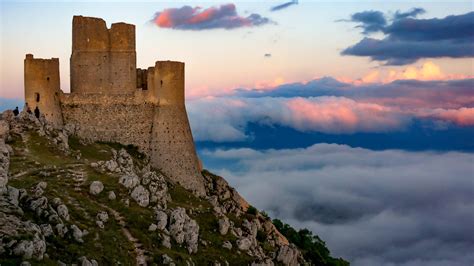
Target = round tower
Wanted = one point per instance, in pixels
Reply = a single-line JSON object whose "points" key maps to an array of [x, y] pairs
{"points": [[172, 146]]}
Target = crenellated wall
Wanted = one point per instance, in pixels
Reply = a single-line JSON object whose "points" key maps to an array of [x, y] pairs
{"points": [[111, 100]]}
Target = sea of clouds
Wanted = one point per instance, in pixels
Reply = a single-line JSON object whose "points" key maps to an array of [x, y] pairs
{"points": [[387, 207]]}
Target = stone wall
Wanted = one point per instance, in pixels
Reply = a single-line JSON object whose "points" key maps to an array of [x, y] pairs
{"points": [[172, 148], [42, 87], [111, 118], [102, 60]]}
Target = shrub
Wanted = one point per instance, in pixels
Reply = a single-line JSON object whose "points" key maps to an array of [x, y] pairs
{"points": [[252, 210], [314, 250]]}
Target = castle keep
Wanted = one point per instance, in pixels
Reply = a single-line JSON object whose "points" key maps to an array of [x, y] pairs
{"points": [[111, 100]]}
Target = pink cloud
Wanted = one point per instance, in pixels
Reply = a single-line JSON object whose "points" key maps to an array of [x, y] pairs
{"points": [[462, 116], [342, 115], [196, 18]]}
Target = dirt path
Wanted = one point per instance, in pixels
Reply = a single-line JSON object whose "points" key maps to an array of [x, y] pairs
{"points": [[138, 247]]}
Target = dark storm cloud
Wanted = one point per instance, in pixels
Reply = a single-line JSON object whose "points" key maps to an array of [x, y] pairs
{"points": [[196, 18], [409, 39], [371, 207], [283, 6]]}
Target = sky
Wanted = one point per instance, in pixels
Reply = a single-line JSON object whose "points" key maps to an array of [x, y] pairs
{"points": [[354, 119]]}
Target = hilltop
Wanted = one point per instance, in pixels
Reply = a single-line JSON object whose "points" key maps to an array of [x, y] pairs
{"points": [[66, 201]]}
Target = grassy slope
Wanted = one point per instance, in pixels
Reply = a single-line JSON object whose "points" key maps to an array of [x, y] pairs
{"points": [[43, 162]]}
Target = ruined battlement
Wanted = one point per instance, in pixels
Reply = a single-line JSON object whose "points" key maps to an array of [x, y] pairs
{"points": [[103, 61], [112, 100], [91, 35]]}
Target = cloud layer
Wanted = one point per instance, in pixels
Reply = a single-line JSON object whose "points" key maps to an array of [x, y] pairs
{"points": [[408, 39], [372, 207], [328, 106], [196, 18]]}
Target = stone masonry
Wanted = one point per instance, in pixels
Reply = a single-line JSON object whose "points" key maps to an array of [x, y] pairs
{"points": [[111, 100]]}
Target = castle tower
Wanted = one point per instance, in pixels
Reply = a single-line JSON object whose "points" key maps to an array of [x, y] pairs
{"points": [[42, 87], [102, 60], [172, 146]]}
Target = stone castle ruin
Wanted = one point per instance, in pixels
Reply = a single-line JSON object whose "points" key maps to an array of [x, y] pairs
{"points": [[113, 101]]}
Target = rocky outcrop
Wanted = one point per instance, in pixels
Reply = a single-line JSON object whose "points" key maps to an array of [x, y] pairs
{"points": [[184, 229]]}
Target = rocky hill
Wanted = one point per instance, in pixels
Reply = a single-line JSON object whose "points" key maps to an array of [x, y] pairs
{"points": [[64, 201]]}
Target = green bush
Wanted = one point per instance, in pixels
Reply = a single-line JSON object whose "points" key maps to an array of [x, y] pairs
{"points": [[252, 210], [314, 250]]}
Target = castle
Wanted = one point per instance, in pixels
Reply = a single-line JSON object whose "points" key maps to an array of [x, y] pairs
{"points": [[113, 101]]}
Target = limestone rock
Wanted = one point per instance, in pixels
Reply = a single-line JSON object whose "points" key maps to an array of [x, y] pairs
{"points": [[244, 244], [224, 225], [129, 181], [288, 255], [166, 241], [227, 245], [77, 233], [96, 187], [63, 212], [47, 230], [141, 195], [161, 219], [111, 195], [167, 260], [152, 227], [184, 230], [61, 230]]}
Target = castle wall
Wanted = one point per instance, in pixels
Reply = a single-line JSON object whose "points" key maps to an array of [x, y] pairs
{"points": [[102, 60], [42, 87], [110, 118], [172, 147]]}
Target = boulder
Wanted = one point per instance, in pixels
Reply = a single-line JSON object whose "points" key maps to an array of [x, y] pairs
{"points": [[63, 212], [224, 225], [96, 187], [288, 255], [152, 227], [77, 233], [111, 195], [227, 245], [47, 230], [161, 219], [244, 244], [129, 180], [141, 195], [183, 229]]}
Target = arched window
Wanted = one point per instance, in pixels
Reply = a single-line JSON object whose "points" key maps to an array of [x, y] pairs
{"points": [[37, 97]]}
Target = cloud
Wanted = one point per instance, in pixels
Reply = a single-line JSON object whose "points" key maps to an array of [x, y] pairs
{"points": [[336, 115], [372, 207], [283, 6], [196, 18], [412, 13], [370, 21], [400, 52], [462, 116], [329, 106], [415, 93], [409, 39]]}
